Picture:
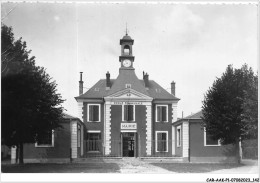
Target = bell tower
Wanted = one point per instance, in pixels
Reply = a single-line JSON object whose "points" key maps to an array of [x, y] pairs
{"points": [[126, 57]]}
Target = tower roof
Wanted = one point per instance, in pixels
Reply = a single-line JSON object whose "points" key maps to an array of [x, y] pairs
{"points": [[127, 37]]}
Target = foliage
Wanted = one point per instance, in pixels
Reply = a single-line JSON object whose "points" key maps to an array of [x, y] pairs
{"points": [[229, 108], [30, 103]]}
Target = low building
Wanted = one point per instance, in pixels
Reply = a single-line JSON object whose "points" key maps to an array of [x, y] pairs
{"points": [[60, 145], [194, 144]]}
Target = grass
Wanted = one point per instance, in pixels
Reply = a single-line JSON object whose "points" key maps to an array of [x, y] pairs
{"points": [[195, 168], [62, 168]]}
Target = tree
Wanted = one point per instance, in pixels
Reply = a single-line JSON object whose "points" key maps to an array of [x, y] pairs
{"points": [[229, 108], [30, 104]]}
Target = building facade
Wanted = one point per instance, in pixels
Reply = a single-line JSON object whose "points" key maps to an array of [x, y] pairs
{"points": [[127, 116], [195, 144], [60, 145]]}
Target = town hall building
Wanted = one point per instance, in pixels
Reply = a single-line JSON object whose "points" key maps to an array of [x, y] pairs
{"points": [[128, 116]]}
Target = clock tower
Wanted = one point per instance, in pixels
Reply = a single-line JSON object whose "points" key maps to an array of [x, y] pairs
{"points": [[126, 57]]}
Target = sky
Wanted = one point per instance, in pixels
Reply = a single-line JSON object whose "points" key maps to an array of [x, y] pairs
{"points": [[191, 44]]}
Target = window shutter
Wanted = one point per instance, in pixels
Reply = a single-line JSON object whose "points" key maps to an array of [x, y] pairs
{"points": [[159, 114], [125, 113], [164, 141], [164, 113], [159, 141], [90, 113], [130, 112], [95, 113]]}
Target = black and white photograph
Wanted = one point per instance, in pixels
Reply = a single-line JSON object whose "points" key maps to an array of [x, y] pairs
{"points": [[128, 91]]}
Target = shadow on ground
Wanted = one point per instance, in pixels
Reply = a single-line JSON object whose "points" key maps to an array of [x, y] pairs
{"points": [[62, 168], [194, 168]]}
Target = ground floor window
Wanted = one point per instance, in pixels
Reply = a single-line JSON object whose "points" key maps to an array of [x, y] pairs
{"points": [[45, 139], [208, 140], [179, 136], [161, 141], [94, 142]]}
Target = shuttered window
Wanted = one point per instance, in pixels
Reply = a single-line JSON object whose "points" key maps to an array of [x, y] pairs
{"points": [[161, 140], [128, 113], [161, 113], [94, 112]]}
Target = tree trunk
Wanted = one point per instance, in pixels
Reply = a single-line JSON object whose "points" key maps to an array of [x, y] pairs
{"points": [[21, 153], [238, 153]]}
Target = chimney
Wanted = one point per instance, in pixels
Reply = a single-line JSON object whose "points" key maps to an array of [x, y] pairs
{"points": [[173, 88], [108, 83], [80, 84], [146, 80]]}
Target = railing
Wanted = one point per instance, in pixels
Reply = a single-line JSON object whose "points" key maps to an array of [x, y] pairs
{"points": [[160, 148]]}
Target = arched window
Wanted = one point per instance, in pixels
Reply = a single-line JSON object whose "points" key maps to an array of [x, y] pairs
{"points": [[126, 50]]}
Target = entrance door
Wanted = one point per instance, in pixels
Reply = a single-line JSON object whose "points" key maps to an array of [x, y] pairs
{"points": [[128, 144]]}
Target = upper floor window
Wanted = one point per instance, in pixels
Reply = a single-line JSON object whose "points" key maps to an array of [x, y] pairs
{"points": [[128, 113], [161, 141], [126, 50], [161, 113], [45, 140], [94, 112], [127, 85], [209, 141]]}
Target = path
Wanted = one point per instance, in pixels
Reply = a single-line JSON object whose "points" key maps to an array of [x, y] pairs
{"points": [[250, 166], [135, 165]]}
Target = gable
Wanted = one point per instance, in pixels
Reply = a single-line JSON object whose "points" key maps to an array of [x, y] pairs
{"points": [[128, 94]]}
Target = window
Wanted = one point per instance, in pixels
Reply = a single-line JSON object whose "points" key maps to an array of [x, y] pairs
{"points": [[94, 112], [127, 85], [128, 113], [79, 135], [179, 136], [126, 50], [94, 141], [161, 113], [161, 141], [209, 141], [45, 140]]}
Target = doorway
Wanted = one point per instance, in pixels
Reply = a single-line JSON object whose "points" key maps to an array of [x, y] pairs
{"points": [[129, 144]]}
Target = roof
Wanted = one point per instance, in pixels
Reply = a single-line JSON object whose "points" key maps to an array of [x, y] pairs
{"points": [[127, 77], [97, 91], [197, 115], [127, 37], [68, 116], [154, 90]]}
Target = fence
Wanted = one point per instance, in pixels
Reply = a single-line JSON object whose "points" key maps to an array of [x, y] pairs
{"points": [[129, 148]]}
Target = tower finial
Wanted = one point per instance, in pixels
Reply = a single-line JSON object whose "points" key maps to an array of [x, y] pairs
{"points": [[126, 29]]}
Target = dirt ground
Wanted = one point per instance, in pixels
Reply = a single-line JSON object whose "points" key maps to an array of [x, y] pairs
{"points": [[132, 165]]}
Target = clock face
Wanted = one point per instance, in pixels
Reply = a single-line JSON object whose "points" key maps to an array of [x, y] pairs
{"points": [[126, 63]]}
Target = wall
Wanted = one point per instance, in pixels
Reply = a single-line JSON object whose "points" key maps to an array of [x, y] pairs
{"points": [[61, 147], [201, 153], [93, 125], [116, 120], [162, 126], [140, 112], [178, 150]]}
